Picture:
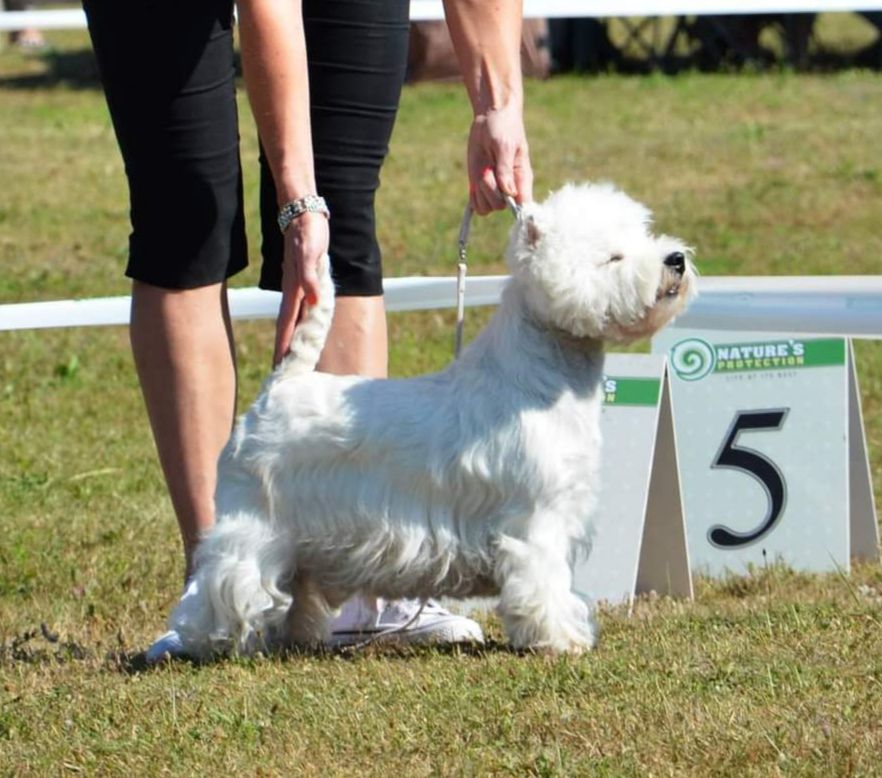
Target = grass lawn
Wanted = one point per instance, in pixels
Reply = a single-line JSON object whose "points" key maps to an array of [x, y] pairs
{"points": [[764, 173]]}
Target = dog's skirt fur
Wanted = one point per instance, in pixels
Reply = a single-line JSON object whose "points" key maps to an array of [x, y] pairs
{"points": [[478, 480]]}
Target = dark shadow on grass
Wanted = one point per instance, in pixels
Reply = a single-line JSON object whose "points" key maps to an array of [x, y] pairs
{"points": [[71, 68], [74, 69], [135, 663], [42, 646]]}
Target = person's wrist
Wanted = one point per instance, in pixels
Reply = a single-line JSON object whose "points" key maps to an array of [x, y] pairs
{"points": [[293, 178], [498, 95], [514, 105], [293, 209]]}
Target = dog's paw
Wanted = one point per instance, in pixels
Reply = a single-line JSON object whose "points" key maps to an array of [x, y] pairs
{"points": [[549, 652]]}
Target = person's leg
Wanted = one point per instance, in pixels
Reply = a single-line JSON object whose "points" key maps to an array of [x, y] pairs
{"points": [[182, 343], [175, 119], [357, 341], [357, 67]]}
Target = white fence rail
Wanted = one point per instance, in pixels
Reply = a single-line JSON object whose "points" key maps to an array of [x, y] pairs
{"points": [[425, 10], [833, 305]]}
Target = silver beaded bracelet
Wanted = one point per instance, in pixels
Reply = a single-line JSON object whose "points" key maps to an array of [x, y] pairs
{"points": [[291, 210]]}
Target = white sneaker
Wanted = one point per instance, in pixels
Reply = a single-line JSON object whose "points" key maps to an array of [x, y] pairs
{"points": [[170, 644], [401, 621], [167, 646]]}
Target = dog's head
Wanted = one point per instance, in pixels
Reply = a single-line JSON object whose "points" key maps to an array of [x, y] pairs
{"points": [[589, 265]]}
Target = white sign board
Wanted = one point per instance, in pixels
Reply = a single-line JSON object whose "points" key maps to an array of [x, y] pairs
{"points": [[640, 542], [771, 450]]}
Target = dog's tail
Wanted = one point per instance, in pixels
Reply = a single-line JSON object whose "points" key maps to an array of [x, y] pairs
{"points": [[312, 330]]}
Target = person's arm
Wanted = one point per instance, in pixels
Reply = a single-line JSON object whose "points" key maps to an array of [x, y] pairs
{"points": [[275, 69], [486, 35]]}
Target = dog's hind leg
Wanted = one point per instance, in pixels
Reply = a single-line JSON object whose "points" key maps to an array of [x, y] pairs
{"points": [[239, 598], [307, 622], [536, 602]]}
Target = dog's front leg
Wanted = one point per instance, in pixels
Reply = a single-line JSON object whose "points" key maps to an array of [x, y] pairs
{"points": [[536, 601]]}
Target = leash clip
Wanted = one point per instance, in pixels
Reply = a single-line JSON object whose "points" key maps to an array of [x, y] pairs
{"points": [[514, 207]]}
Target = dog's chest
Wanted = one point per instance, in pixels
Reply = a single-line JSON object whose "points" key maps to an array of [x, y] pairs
{"points": [[562, 443]]}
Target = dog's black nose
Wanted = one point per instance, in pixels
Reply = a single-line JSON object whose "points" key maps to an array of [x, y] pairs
{"points": [[677, 262]]}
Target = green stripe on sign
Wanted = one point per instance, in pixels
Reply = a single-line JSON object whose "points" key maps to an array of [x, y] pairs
{"points": [[821, 353], [777, 355], [631, 391]]}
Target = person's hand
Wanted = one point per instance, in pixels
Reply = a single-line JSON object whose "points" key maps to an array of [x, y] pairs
{"points": [[498, 160], [306, 242]]}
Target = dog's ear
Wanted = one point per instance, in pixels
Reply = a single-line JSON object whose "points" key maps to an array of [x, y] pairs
{"points": [[532, 233], [527, 236], [530, 225]]}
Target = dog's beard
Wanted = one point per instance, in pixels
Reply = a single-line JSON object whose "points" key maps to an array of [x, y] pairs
{"points": [[670, 300]]}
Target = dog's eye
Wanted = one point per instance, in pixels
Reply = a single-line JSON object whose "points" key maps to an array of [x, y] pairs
{"points": [[616, 257]]}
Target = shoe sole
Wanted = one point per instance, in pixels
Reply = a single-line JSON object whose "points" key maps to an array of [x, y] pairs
{"points": [[450, 633]]}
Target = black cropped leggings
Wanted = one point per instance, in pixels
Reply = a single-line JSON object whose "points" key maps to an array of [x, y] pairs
{"points": [[169, 77]]}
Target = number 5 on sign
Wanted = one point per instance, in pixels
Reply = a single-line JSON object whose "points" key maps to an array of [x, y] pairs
{"points": [[772, 452], [751, 463]]}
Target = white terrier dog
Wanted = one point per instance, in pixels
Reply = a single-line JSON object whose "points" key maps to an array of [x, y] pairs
{"points": [[478, 480]]}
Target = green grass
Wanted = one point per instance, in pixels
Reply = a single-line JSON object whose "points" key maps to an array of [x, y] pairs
{"points": [[770, 173]]}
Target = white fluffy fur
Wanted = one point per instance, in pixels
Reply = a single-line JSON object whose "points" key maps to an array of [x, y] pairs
{"points": [[477, 480]]}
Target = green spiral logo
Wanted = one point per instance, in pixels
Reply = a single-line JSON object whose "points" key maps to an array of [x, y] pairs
{"points": [[693, 359]]}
